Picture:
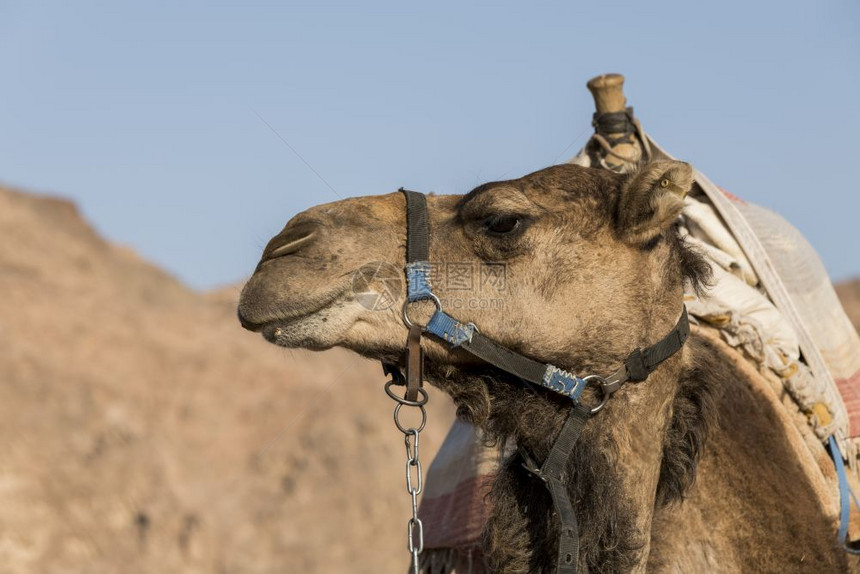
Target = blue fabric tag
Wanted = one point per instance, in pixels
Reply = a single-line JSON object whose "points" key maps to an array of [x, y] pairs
{"points": [[448, 328], [418, 281], [562, 382]]}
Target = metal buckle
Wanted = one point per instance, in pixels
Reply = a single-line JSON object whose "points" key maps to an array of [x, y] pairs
{"points": [[600, 382], [405, 314], [616, 380], [530, 465]]}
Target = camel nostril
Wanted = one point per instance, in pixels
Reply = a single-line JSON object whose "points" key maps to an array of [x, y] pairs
{"points": [[291, 246], [291, 240]]}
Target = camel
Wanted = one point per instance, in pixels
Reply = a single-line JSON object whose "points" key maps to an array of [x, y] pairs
{"points": [[691, 470]]}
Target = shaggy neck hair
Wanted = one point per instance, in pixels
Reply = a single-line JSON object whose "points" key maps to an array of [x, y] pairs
{"points": [[522, 534]]}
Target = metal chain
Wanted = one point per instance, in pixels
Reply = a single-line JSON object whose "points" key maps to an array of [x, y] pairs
{"points": [[414, 475], [414, 528]]}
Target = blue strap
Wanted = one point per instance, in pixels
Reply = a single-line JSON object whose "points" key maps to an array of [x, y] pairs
{"points": [[418, 281], [450, 329], [845, 496]]}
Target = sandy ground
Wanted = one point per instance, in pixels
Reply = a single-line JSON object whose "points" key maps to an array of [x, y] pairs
{"points": [[141, 430]]}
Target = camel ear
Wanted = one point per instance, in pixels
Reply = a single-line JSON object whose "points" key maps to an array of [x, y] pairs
{"points": [[652, 199]]}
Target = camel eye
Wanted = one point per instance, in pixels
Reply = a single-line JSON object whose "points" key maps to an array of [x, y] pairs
{"points": [[503, 224]]}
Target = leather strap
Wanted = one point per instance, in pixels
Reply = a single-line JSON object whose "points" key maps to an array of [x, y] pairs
{"points": [[642, 362], [553, 472], [417, 250], [417, 227], [491, 352], [414, 363], [637, 366], [616, 127], [845, 494]]}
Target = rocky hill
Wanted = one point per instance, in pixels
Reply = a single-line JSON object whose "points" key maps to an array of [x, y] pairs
{"points": [[849, 294], [142, 430]]}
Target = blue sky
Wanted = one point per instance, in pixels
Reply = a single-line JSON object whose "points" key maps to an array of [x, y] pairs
{"points": [[149, 114]]}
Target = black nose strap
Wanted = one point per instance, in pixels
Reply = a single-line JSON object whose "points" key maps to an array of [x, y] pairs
{"points": [[417, 227], [417, 250]]}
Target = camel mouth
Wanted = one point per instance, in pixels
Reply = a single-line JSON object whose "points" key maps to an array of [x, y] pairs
{"points": [[272, 331], [261, 327], [291, 331], [284, 319], [267, 327], [312, 322]]}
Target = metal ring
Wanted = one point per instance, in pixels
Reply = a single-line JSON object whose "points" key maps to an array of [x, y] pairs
{"points": [[406, 303], [604, 396], [400, 426], [403, 401]]}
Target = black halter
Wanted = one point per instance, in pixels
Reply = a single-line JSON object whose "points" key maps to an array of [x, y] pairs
{"points": [[638, 365]]}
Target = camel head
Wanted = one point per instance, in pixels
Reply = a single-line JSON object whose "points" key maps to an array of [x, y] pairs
{"points": [[568, 265]]}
